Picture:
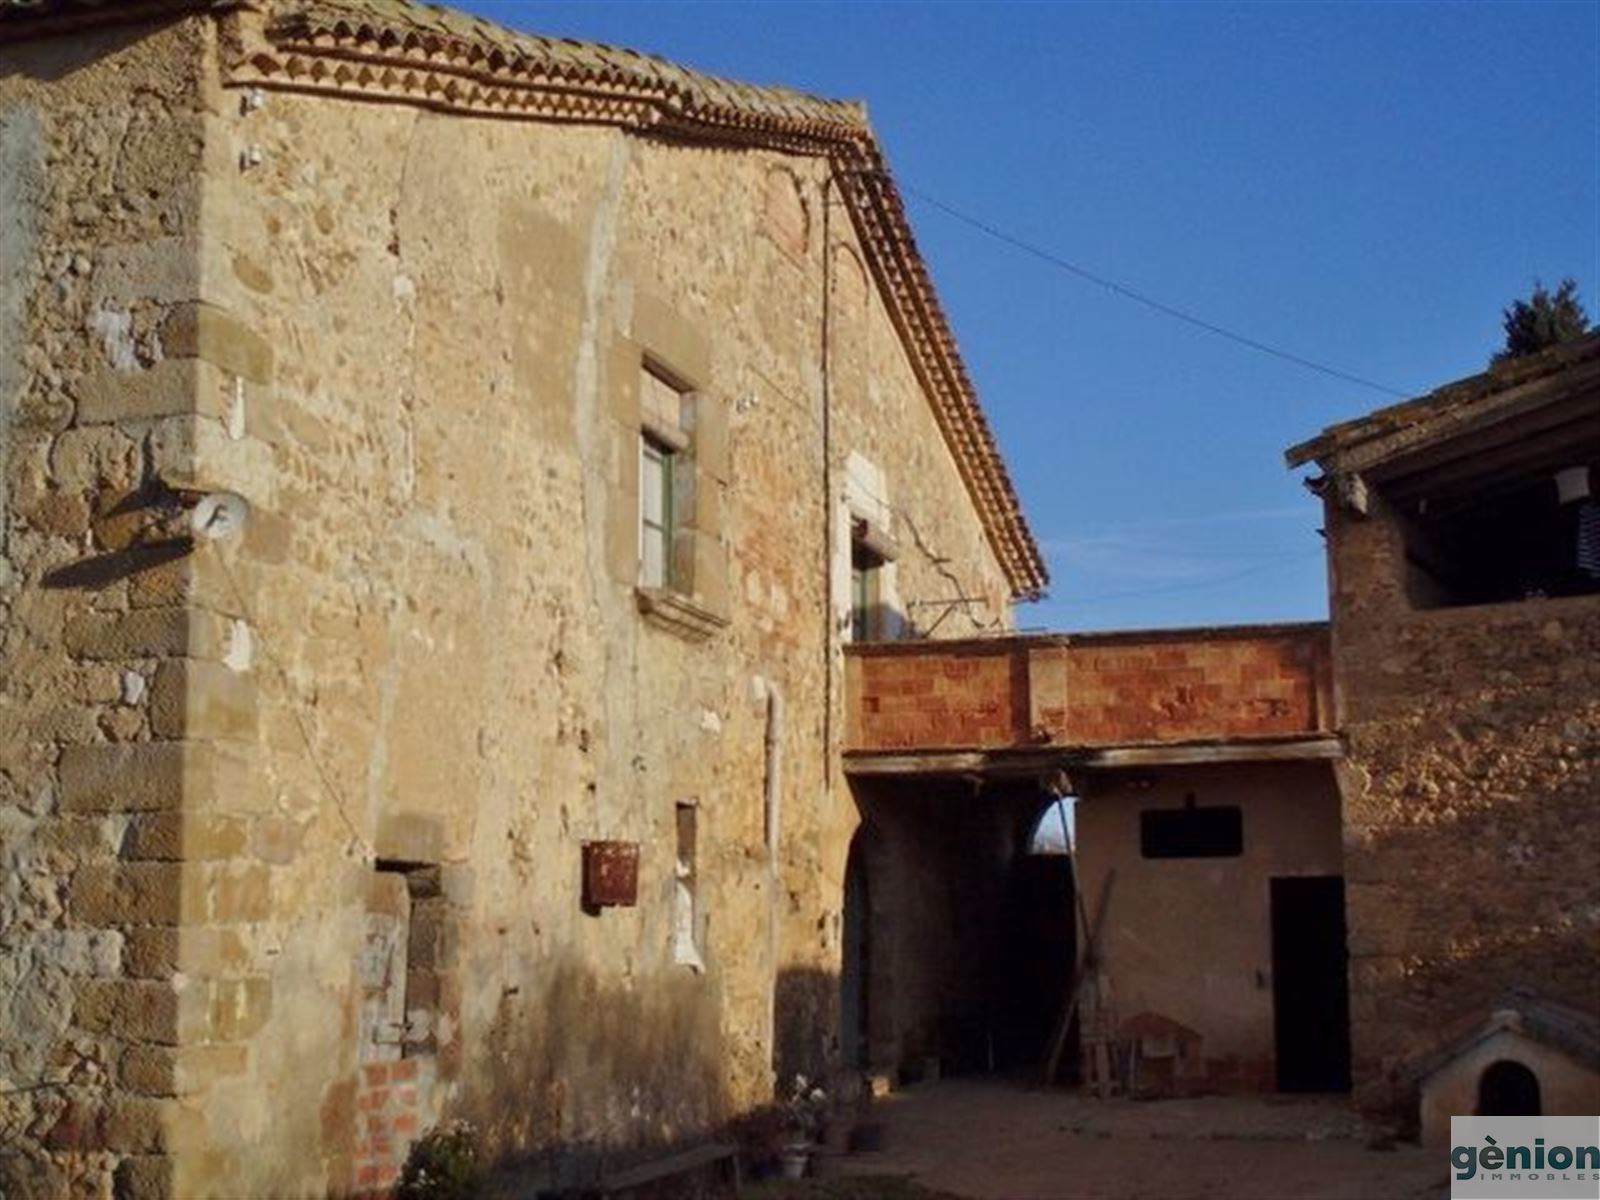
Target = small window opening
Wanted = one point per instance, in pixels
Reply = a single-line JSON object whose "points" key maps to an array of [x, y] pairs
{"points": [[666, 480], [1504, 540], [1508, 1089], [685, 912], [1191, 831], [866, 593], [656, 468]]}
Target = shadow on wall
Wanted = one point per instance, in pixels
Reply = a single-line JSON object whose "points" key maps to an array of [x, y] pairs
{"points": [[580, 1077], [807, 1006], [1422, 958]]}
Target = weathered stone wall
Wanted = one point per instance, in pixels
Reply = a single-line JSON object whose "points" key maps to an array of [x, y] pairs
{"points": [[417, 347], [1474, 758], [100, 372]]}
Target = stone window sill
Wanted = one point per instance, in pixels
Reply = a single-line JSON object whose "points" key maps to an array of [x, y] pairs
{"points": [[678, 614]]}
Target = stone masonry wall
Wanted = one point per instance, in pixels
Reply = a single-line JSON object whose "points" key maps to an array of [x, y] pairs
{"points": [[428, 657], [105, 357], [1470, 839]]}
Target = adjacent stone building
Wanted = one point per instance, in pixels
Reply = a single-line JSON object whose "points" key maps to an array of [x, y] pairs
{"points": [[1359, 855], [1464, 578], [441, 469]]}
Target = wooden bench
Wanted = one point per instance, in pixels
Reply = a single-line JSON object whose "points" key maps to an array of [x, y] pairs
{"points": [[673, 1164]]}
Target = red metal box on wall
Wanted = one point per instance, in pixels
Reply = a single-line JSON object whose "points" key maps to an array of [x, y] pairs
{"points": [[610, 874]]}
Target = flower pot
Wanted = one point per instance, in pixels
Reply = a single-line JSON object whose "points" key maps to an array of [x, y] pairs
{"points": [[793, 1160]]}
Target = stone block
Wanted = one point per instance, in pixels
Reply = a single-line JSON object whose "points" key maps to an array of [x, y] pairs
{"points": [[134, 1124], [137, 777], [711, 453], [130, 1009], [199, 330], [276, 840], [410, 837], [458, 883], [61, 513], [240, 1007], [149, 1070], [181, 1070], [150, 952], [187, 836], [133, 893], [92, 457], [242, 894], [141, 633], [196, 699], [144, 1177], [208, 952], [711, 575], [167, 389], [667, 336], [268, 537]]}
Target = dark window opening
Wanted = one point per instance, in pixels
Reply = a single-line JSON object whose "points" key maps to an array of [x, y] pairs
{"points": [[866, 594], [1516, 539], [1191, 832]]}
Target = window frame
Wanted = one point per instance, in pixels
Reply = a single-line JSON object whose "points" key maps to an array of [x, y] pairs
{"points": [[653, 448]]}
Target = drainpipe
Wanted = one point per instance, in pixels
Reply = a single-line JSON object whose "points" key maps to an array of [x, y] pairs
{"points": [[829, 629], [773, 744], [772, 815]]}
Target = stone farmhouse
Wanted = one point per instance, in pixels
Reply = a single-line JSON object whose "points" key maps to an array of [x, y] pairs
{"points": [[506, 613], [569, 412]]}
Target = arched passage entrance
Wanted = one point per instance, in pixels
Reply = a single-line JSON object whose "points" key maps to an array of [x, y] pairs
{"points": [[856, 953], [1508, 1089]]}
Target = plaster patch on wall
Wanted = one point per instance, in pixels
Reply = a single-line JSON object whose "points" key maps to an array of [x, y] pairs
{"points": [[241, 647], [115, 331]]}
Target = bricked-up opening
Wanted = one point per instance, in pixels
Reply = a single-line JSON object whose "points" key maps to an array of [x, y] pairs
{"points": [[1505, 539], [1508, 1089], [402, 955], [1192, 831]]}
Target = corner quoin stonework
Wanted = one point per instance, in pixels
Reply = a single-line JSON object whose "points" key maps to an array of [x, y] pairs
{"points": [[412, 339]]}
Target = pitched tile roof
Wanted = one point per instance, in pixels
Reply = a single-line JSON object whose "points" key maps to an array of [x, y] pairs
{"points": [[450, 61], [1501, 391]]}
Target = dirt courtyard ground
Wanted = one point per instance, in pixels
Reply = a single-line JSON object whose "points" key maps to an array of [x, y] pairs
{"points": [[999, 1141]]}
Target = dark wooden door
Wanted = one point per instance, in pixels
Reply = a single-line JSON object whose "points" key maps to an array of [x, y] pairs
{"points": [[1310, 988]]}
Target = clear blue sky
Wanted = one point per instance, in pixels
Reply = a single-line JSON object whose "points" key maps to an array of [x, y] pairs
{"points": [[1366, 185]]}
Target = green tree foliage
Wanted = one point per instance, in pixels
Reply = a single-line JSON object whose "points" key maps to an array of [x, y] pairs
{"points": [[1543, 320]]}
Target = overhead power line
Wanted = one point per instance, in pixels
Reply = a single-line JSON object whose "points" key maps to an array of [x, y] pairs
{"points": [[1128, 293], [1275, 564]]}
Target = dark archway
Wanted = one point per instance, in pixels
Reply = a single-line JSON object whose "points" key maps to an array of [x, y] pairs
{"points": [[856, 957], [1508, 1089], [1035, 943]]}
